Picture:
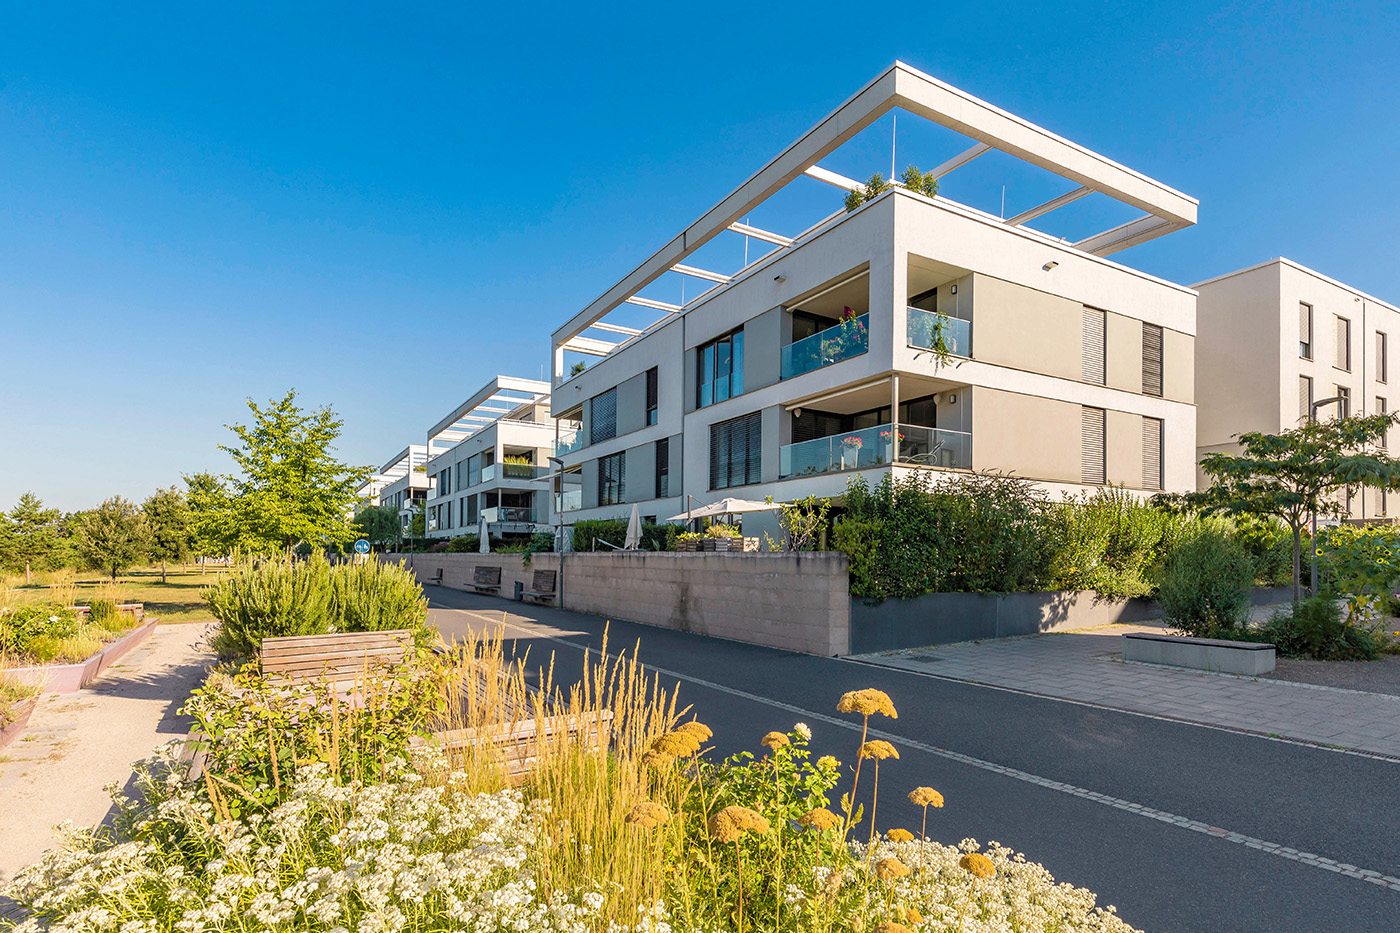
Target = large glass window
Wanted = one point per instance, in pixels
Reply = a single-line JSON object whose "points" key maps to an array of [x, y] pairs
{"points": [[611, 479], [652, 394], [602, 416], [720, 369], [473, 469], [736, 451]]}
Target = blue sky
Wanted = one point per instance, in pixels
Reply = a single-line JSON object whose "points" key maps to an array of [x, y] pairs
{"points": [[383, 207]]}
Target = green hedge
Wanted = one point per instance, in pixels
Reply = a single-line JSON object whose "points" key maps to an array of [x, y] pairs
{"points": [[655, 536]]}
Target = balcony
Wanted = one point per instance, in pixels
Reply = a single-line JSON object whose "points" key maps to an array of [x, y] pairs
{"points": [[845, 340], [522, 470], [926, 327], [568, 443], [870, 447], [509, 513]]}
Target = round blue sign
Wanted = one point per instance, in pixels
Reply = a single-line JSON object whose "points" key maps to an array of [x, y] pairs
{"points": [[362, 546]]}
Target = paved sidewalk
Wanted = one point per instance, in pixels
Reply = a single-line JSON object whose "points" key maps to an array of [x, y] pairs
{"points": [[1085, 665], [78, 743]]}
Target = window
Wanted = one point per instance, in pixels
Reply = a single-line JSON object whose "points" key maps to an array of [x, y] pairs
{"points": [[651, 395], [1341, 347], [1305, 325], [473, 516], [720, 369], [602, 412], [1382, 357], [473, 469], [1091, 445], [444, 482], [1152, 453], [663, 468], [611, 480], [1095, 346], [735, 451], [1305, 397], [1151, 359], [1382, 409], [1344, 406]]}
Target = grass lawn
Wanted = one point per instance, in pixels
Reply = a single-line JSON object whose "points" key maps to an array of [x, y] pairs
{"points": [[176, 600]]}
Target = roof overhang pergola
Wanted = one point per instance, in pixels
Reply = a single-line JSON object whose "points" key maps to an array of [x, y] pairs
{"points": [[900, 86], [498, 398]]}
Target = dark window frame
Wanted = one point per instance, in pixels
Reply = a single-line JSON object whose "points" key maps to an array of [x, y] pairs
{"points": [[612, 479]]}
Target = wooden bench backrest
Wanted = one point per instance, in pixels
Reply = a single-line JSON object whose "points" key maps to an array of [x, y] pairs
{"points": [[544, 581], [487, 576], [336, 657]]}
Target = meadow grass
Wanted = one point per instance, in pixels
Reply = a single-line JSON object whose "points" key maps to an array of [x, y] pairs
{"points": [[176, 600]]}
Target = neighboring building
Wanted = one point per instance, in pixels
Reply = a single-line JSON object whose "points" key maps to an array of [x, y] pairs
{"points": [[1277, 337], [373, 492], [814, 363], [490, 461]]}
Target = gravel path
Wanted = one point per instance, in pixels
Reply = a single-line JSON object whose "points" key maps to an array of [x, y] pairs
{"points": [[77, 743], [1381, 676]]}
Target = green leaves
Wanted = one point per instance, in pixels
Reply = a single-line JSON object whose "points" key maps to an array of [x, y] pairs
{"points": [[113, 536]]}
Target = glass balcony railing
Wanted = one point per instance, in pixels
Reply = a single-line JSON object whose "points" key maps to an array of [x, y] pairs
{"points": [[869, 447], [845, 340], [572, 500], [509, 513], [568, 443], [521, 470], [925, 328]]}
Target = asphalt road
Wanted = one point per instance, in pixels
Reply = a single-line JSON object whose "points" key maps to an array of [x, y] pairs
{"points": [[1182, 845]]}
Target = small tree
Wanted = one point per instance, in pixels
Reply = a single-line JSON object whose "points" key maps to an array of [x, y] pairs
{"points": [[1296, 473], [113, 536], [292, 488], [378, 524], [209, 521], [34, 532], [168, 517]]}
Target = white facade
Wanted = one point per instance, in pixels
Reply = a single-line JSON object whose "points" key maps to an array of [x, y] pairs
{"points": [[1065, 367], [1276, 337], [490, 462]]}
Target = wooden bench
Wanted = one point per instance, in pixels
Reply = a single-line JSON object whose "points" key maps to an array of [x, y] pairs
{"points": [[518, 743], [339, 658], [542, 586], [487, 580]]}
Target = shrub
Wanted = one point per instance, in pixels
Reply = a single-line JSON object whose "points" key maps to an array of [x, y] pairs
{"points": [[22, 625], [101, 610], [1108, 542], [464, 544], [312, 598], [1315, 629], [660, 536], [1205, 584]]}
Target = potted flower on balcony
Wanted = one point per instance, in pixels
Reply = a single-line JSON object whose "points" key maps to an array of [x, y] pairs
{"points": [[850, 451], [846, 339], [888, 438]]}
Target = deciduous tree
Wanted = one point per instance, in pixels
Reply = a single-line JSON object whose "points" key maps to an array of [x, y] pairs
{"points": [[378, 524], [1298, 472], [292, 489], [113, 536], [167, 515]]}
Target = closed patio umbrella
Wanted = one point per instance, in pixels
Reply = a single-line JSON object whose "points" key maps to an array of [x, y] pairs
{"points": [[485, 546], [634, 531]]}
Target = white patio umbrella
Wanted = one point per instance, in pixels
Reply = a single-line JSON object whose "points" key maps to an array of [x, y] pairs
{"points": [[634, 531], [485, 547], [726, 506]]}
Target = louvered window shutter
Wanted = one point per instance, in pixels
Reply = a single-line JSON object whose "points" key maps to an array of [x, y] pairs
{"points": [[1305, 322], [1095, 346], [1151, 453], [1151, 359], [1092, 445], [1341, 346], [1305, 397]]}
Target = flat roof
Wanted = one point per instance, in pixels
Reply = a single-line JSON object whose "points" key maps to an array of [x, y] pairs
{"points": [[493, 401], [1284, 261], [899, 86]]}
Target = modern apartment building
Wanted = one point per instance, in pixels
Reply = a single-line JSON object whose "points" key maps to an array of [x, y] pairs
{"points": [[913, 333], [1276, 338], [489, 461], [376, 489]]}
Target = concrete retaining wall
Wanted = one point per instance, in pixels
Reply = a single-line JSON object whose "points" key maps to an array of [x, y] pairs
{"points": [[799, 602], [943, 618]]}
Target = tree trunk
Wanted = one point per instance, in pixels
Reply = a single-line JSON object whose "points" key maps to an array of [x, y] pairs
{"points": [[162, 571], [26, 573], [1297, 564]]}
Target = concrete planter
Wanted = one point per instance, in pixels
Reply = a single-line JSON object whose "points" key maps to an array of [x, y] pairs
{"points": [[1206, 654], [21, 712], [70, 678]]}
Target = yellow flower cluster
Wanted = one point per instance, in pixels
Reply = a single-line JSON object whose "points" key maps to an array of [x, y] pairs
{"points": [[925, 797], [889, 926], [867, 703], [701, 731], [647, 814], [830, 763], [888, 869], [820, 818], [732, 822], [681, 742], [978, 865], [878, 748], [774, 740], [899, 835]]}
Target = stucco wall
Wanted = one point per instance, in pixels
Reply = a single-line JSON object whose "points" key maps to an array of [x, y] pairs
{"points": [[1026, 329], [1034, 437]]}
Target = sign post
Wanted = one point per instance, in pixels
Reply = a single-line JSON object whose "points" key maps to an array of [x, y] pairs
{"points": [[362, 547]]}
